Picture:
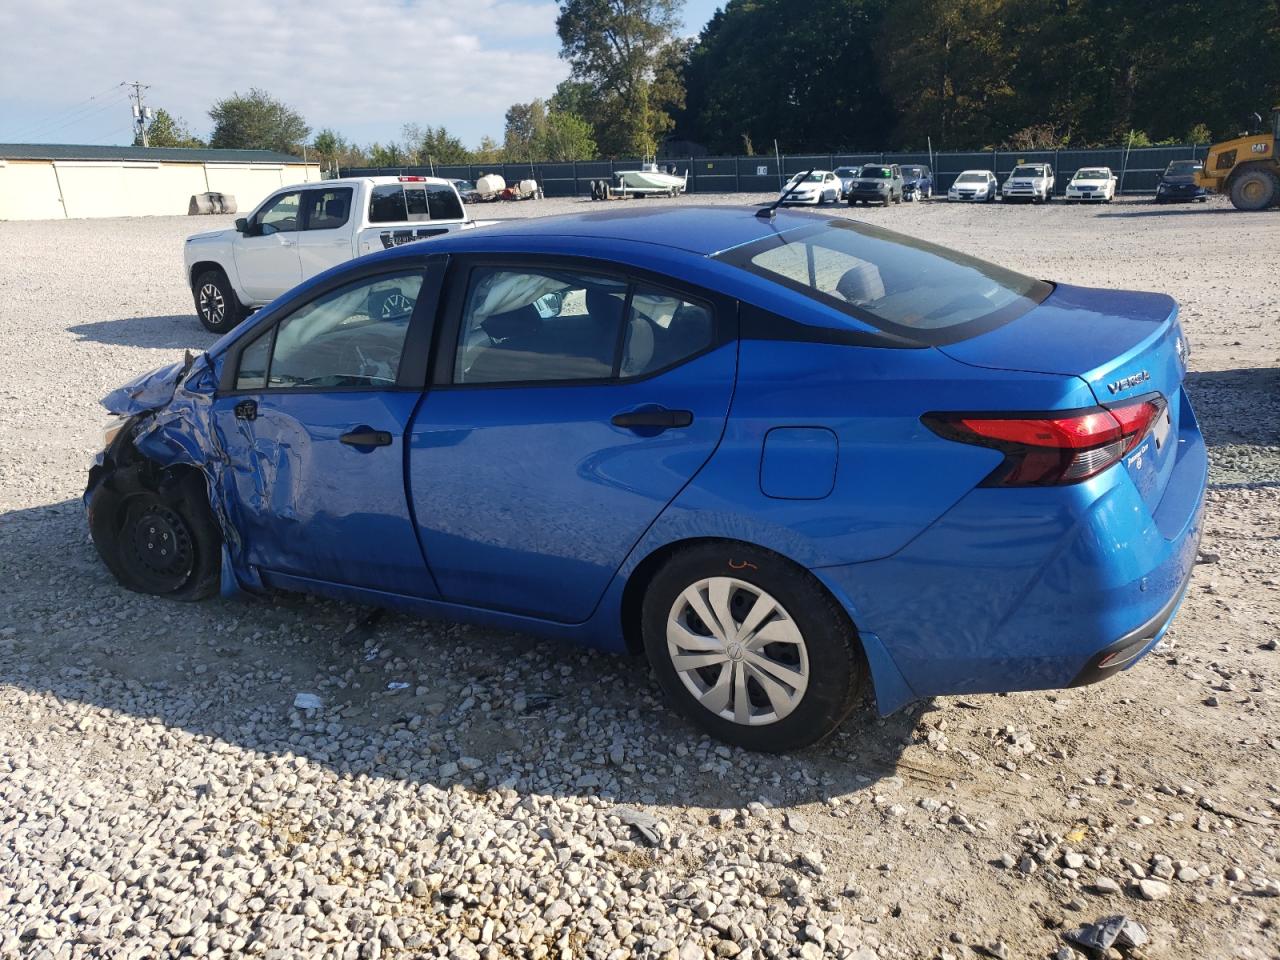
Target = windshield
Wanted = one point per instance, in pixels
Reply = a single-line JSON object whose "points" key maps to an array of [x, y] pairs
{"points": [[1028, 170], [846, 172], [803, 178], [876, 171], [913, 171], [972, 178], [1092, 174], [1181, 168], [898, 284]]}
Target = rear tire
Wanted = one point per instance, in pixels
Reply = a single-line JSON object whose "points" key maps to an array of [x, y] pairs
{"points": [[157, 536], [774, 691], [217, 305], [1255, 189]]}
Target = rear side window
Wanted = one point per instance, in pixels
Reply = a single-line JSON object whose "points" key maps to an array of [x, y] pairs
{"points": [[327, 209], [896, 283], [400, 203]]}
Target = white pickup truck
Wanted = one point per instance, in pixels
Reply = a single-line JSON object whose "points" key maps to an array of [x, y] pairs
{"points": [[302, 230]]}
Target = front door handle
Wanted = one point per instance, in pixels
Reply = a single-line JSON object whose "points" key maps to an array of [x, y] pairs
{"points": [[247, 410], [659, 418], [364, 437]]}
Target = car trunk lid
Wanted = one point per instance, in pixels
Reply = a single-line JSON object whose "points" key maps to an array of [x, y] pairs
{"points": [[1123, 344]]}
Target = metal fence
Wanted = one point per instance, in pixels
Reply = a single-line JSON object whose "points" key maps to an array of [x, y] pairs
{"points": [[1136, 168]]}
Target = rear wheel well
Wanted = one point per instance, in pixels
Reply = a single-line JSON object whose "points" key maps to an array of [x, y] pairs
{"points": [[634, 591]]}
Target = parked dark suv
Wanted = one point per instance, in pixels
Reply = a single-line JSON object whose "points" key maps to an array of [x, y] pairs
{"points": [[877, 183], [1178, 182]]}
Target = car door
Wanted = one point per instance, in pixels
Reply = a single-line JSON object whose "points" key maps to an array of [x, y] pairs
{"points": [[570, 404], [267, 253], [325, 238], [312, 413]]}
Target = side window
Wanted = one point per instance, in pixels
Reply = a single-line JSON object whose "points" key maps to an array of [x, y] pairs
{"points": [[328, 209], [530, 325], [281, 216], [662, 330], [349, 337], [252, 373], [826, 270]]}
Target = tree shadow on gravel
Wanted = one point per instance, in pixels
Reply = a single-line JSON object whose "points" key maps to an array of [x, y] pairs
{"points": [[171, 332], [418, 700]]}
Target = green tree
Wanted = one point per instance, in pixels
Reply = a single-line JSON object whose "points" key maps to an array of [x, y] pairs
{"points": [[257, 121], [526, 131], [432, 145], [489, 151], [625, 51], [760, 73], [567, 137], [334, 152], [387, 155], [166, 130]]}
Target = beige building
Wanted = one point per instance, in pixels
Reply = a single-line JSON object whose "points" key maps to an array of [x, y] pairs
{"points": [[59, 181]]}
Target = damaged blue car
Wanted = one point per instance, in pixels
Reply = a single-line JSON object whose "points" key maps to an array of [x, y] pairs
{"points": [[783, 455]]}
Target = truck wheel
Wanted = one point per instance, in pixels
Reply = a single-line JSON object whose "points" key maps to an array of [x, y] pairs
{"points": [[1255, 189], [216, 303]]}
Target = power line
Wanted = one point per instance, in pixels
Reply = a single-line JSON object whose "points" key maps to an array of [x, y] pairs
{"points": [[66, 113], [95, 109]]}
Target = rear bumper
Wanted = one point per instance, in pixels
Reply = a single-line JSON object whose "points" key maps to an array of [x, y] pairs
{"points": [[1032, 588]]}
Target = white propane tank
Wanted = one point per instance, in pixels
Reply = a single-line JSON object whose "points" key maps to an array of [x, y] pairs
{"points": [[528, 188], [490, 185]]}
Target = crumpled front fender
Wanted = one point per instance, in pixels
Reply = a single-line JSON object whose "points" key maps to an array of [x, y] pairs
{"points": [[171, 411]]}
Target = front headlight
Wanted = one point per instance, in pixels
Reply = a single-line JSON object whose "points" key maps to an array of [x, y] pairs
{"points": [[111, 429]]}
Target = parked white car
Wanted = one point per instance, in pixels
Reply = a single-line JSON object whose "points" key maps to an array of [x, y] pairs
{"points": [[816, 186], [976, 186], [1092, 183], [302, 230], [1032, 182]]}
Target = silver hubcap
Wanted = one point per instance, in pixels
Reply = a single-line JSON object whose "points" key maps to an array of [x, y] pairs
{"points": [[737, 651], [212, 305]]}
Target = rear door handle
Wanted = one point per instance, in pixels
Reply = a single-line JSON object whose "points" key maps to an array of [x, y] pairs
{"points": [[247, 410], [655, 417], [364, 437]]}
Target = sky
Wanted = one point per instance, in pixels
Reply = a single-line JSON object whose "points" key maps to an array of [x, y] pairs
{"points": [[364, 69]]}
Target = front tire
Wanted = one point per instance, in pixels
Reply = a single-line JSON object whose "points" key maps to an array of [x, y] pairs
{"points": [[1255, 189], [217, 305], [750, 647], [157, 534]]}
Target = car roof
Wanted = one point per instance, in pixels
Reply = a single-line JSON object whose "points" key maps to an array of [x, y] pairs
{"points": [[699, 230]]}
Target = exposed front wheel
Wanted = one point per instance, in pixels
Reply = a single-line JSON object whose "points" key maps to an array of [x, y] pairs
{"points": [[157, 536], [1255, 189], [750, 647], [216, 303]]}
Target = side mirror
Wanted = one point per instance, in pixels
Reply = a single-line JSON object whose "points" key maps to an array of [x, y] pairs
{"points": [[242, 225]]}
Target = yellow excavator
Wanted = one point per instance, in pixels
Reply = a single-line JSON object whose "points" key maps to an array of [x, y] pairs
{"points": [[1246, 169]]}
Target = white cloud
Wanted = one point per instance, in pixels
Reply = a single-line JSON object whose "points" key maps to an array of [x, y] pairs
{"points": [[364, 68]]}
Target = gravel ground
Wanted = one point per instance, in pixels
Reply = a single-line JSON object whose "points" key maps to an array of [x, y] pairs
{"points": [[160, 796]]}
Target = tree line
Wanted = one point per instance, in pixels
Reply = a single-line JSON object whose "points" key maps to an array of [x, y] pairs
{"points": [[844, 75]]}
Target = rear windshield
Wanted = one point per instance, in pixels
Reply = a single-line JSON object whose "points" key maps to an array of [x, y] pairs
{"points": [[398, 203], [895, 283]]}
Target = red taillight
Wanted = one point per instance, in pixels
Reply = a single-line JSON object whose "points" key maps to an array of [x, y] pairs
{"points": [[1053, 448]]}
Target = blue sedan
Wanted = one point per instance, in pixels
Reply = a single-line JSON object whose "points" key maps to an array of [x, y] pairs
{"points": [[786, 458]]}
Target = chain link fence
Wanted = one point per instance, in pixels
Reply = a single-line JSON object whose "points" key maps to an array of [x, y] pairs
{"points": [[1137, 168]]}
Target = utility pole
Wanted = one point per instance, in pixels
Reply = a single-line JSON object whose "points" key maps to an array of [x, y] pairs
{"points": [[141, 113]]}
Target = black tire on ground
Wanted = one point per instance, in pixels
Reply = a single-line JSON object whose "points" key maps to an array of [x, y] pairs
{"points": [[837, 669], [156, 532], [1255, 189], [216, 303]]}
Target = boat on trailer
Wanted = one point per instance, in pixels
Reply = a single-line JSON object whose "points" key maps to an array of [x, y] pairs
{"points": [[649, 181]]}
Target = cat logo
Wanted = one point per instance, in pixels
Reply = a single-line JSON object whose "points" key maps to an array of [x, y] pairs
{"points": [[1261, 147]]}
